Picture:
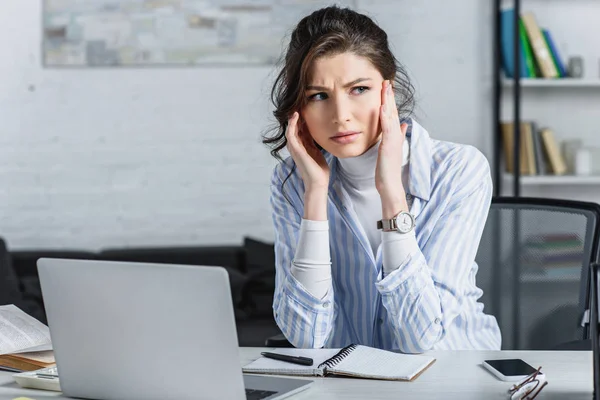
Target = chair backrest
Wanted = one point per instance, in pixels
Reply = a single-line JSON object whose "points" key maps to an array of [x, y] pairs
{"points": [[533, 260]]}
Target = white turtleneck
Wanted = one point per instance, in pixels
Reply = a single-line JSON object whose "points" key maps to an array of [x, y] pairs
{"points": [[312, 262]]}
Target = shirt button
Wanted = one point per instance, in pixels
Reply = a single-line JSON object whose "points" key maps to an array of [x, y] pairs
{"points": [[380, 320], [437, 321], [326, 304], [408, 196]]}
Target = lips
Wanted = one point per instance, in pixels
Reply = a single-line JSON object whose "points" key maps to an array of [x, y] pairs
{"points": [[345, 137], [347, 133]]}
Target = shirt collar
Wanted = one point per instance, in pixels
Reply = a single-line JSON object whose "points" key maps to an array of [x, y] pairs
{"points": [[420, 160]]}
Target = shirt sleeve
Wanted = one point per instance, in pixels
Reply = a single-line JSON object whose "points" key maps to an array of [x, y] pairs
{"points": [[305, 319], [312, 264], [425, 293], [396, 249]]}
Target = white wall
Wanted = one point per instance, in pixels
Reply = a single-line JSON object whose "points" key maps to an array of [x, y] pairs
{"points": [[91, 158]]}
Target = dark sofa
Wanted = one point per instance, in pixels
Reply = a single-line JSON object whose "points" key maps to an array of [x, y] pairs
{"points": [[251, 269]]}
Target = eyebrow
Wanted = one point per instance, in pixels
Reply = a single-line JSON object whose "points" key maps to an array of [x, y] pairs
{"points": [[347, 85]]}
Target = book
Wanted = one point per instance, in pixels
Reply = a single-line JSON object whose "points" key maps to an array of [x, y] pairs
{"points": [[25, 342], [527, 159], [527, 136], [539, 47], [507, 45], [558, 62], [356, 361], [529, 61], [541, 162], [552, 151]]}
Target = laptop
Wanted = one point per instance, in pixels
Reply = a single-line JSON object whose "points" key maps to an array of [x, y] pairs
{"points": [[125, 330]]}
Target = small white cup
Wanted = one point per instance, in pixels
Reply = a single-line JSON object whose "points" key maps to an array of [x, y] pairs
{"points": [[583, 162]]}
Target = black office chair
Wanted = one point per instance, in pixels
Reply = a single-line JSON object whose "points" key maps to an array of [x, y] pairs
{"points": [[533, 269], [533, 261]]}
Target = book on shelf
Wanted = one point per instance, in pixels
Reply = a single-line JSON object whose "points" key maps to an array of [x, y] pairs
{"points": [[539, 151], [556, 58], [539, 53], [532, 68], [25, 342], [540, 49], [555, 158], [508, 139], [507, 45]]}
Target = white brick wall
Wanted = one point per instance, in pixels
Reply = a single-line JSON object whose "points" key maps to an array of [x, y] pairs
{"points": [[115, 157], [88, 164]]}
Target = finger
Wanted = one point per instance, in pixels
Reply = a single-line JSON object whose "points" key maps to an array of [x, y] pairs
{"points": [[404, 128], [384, 120], [393, 110], [292, 125], [386, 107], [384, 93], [291, 132]]}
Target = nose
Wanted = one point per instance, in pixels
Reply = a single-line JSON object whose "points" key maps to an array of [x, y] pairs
{"points": [[341, 110]]}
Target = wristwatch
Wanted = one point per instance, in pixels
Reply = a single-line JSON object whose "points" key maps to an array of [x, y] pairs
{"points": [[403, 222]]}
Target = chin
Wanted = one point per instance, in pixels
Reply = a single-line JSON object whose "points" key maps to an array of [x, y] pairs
{"points": [[348, 151]]}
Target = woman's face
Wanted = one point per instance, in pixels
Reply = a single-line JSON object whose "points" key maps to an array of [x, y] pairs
{"points": [[343, 102]]}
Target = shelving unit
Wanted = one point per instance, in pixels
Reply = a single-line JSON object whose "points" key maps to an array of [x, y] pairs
{"points": [[516, 88], [526, 288], [555, 179]]}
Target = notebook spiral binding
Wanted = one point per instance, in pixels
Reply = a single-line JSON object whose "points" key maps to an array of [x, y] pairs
{"points": [[333, 361]]}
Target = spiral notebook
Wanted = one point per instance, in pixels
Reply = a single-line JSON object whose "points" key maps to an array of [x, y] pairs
{"points": [[354, 360]]}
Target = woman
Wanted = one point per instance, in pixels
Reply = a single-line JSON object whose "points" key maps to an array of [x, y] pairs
{"points": [[376, 224]]}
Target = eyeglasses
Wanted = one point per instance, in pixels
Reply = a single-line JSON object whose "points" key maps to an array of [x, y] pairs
{"points": [[529, 387]]}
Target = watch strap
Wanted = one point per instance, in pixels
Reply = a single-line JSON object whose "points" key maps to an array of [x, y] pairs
{"points": [[387, 224]]}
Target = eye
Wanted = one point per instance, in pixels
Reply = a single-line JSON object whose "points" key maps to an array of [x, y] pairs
{"points": [[317, 96], [360, 89]]}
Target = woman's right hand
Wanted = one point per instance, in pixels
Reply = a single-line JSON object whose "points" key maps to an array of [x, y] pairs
{"points": [[308, 158]]}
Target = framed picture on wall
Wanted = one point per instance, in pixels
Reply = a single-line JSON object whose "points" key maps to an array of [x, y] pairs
{"points": [[112, 33]]}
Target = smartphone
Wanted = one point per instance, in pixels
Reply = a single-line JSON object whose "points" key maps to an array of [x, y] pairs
{"points": [[513, 369]]}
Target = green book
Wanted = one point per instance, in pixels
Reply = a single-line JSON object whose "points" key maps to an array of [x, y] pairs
{"points": [[529, 60], [553, 54]]}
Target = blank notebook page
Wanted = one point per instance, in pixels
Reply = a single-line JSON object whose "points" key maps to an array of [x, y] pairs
{"points": [[369, 362]]}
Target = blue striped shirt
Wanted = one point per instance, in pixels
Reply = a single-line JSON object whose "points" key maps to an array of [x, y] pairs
{"points": [[430, 301]]}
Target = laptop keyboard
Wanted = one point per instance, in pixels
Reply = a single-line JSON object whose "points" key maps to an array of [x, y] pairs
{"points": [[252, 394]]}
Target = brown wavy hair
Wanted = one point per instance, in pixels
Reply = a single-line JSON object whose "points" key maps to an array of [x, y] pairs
{"points": [[328, 32]]}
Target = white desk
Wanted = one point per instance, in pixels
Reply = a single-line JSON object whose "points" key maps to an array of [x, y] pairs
{"points": [[455, 375]]}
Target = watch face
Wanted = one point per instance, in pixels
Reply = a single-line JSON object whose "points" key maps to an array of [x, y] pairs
{"points": [[404, 222]]}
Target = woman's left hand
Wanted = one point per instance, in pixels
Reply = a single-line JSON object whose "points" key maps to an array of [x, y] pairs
{"points": [[388, 173]]}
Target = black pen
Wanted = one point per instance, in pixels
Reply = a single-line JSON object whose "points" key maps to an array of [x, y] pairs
{"points": [[291, 359]]}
